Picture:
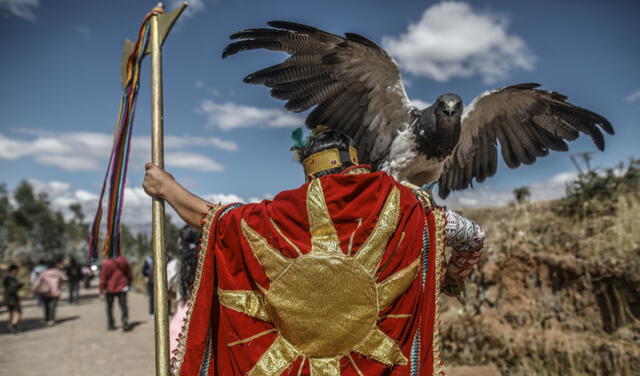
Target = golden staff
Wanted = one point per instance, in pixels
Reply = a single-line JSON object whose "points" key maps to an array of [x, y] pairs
{"points": [[160, 26]]}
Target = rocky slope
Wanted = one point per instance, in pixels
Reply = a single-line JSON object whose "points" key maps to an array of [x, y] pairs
{"points": [[553, 295]]}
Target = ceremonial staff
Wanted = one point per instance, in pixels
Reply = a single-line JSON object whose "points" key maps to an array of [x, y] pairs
{"points": [[153, 32], [160, 26]]}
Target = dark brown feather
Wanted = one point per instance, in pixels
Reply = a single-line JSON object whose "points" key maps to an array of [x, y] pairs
{"points": [[350, 81], [527, 123]]}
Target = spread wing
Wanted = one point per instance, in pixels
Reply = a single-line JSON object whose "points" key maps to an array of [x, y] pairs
{"points": [[527, 122], [354, 84]]}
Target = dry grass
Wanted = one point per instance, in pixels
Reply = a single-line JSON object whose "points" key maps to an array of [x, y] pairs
{"points": [[553, 294]]}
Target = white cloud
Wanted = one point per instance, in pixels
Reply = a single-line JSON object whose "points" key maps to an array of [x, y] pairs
{"points": [[633, 96], [199, 84], [181, 142], [195, 6], [224, 199], [192, 161], [230, 115], [21, 8], [454, 40], [137, 205], [86, 151], [420, 103], [550, 189]]}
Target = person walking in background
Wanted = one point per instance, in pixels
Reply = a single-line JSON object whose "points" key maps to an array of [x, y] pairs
{"points": [[74, 275], [147, 272], [35, 273], [87, 275], [115, 279], [11, 299], [172, 282], [48, 286]]}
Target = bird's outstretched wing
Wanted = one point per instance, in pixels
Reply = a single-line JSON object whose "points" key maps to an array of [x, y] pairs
{"points": [[526, 121], [354, 84]]}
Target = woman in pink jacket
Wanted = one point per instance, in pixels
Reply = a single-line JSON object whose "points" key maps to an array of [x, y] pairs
{"points": [[48, 286]]}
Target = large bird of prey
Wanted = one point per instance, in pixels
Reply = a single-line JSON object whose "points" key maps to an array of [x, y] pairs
{"points": [[356, 87]]}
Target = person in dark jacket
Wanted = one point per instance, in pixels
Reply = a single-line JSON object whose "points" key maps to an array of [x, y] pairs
{"points": [[147, 272], [11, 299], [115, 279], [74, 276]]}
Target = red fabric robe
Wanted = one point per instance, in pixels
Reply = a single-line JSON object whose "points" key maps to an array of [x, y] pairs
{"points": [[217, 340]]}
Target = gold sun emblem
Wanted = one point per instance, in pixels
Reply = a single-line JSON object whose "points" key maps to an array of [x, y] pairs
{"points": [[324, 304]]}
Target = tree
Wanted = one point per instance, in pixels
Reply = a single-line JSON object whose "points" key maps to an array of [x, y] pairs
{"points": [[522, 194]]}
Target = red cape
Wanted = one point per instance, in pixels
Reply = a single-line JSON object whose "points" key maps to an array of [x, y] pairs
{"points": [[218, 340]]}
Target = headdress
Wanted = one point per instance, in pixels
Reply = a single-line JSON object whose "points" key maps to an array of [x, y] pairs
{"points": [[322, 160]]}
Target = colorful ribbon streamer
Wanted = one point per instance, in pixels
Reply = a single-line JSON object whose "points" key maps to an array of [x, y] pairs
{"points": [[116, 173]]}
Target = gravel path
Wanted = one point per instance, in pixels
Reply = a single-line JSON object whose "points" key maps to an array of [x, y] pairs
{"points": [[78, 344]]}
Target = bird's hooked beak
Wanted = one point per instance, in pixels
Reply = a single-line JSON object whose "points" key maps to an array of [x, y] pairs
{"points": [[451, 108]]}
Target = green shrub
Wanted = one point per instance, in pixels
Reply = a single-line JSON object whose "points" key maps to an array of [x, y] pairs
{"points": [[594, 192]]}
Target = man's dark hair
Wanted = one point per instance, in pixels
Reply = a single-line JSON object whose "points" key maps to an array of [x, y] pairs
{"points": [[327, 139], [13, 267]]}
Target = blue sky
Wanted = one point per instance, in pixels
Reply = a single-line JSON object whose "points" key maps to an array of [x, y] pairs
{"points": [[226, 140]]}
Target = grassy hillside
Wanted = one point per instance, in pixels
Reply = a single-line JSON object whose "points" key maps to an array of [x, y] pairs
{"points": [[557, 291]]}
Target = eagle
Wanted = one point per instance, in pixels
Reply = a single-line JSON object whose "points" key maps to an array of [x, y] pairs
{"points": [[356, 87]]}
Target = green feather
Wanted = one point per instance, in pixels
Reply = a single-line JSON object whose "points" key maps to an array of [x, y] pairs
{"points": [[296, 135]]}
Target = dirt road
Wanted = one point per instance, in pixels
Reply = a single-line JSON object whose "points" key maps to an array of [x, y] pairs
{"points": [[78, 344]]}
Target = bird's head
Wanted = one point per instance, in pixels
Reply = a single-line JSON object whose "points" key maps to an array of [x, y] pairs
{"points": [[449, 105]]}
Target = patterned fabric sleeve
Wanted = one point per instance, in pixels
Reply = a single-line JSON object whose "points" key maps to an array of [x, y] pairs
{"points": [[466, 238]]}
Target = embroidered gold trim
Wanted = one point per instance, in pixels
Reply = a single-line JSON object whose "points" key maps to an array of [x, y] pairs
{"points": [[358, 171], [371, 251], [178, 357], [354, 365], [424, 194], [396, 316], [301, 365], [438, 366], [359, 220], [327, 159], [249, 339]]}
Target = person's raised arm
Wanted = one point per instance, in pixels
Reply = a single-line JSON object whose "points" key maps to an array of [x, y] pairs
{"points": [[466, 239], [160, 184]]}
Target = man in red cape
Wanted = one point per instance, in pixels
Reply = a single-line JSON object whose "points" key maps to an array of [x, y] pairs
{"points": [[338, 277]]}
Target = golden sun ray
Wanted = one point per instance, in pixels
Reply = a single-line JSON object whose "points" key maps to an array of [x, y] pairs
{"points": [[247, 301], [271, 260], [382, 348], [278, 357], [313, 314], [324, 238], [396, 284], [324, 366], [371, 251]]}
